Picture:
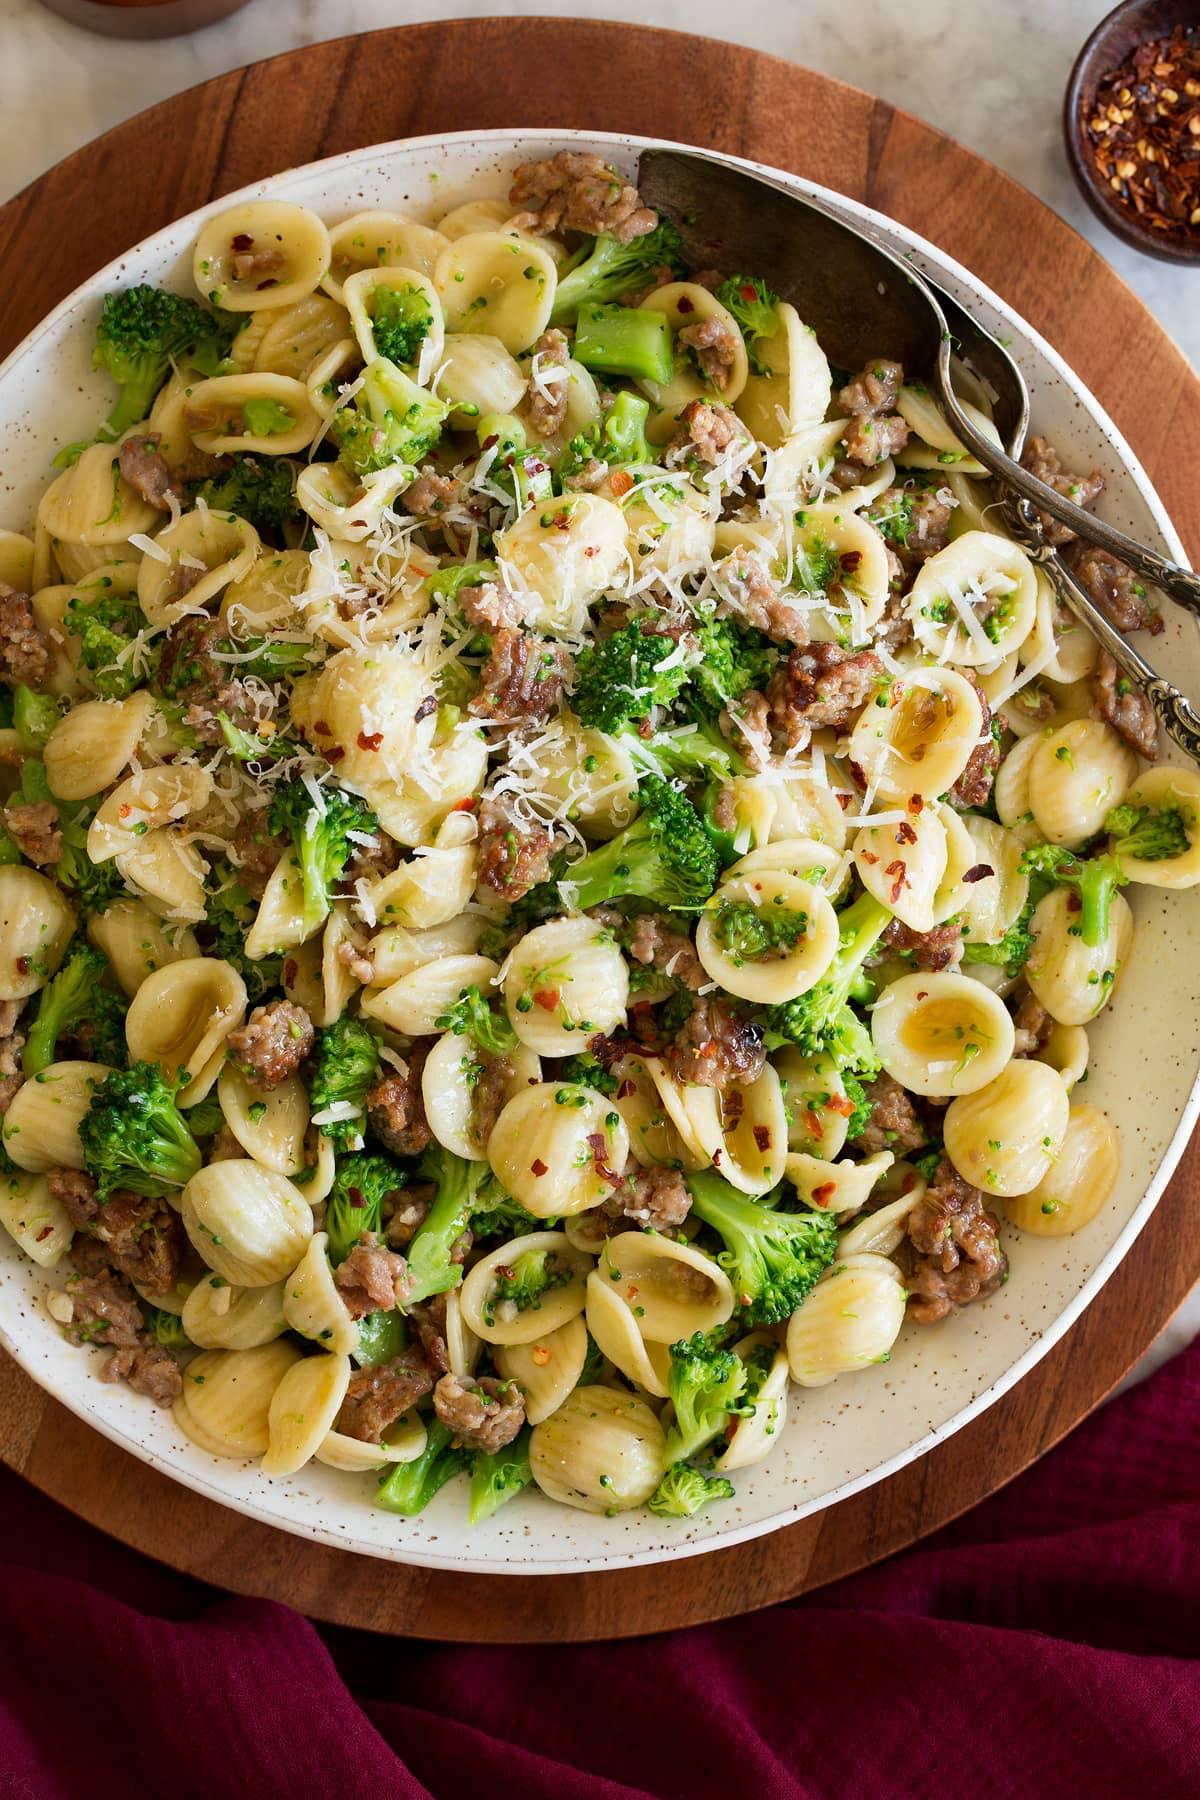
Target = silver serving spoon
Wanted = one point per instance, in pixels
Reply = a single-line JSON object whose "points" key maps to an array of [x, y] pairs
{"points": [[863, 299]]}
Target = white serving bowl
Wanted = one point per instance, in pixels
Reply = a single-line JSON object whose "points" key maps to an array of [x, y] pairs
{"points": [[861, 1428]]}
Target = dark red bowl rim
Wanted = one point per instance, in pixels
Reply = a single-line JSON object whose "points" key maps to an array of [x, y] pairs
{"points": [[1110, 212]]}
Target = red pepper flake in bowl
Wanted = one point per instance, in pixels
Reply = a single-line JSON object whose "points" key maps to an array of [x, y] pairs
{"points": [[1144, 131]]}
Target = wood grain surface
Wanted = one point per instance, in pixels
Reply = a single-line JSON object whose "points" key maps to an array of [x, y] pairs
{"points": [[429, 78]]}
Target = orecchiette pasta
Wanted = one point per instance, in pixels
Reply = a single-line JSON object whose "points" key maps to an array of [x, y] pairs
{"points": [[601, 1451], [248, 1223]]}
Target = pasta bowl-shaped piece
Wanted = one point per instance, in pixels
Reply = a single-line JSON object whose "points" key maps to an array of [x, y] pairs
{"points": [[501, 1301], [180, 1018], [672, 1289]]}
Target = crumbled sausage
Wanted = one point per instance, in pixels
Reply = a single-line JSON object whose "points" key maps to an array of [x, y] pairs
{"points": [[149, 1369], [748, 593], [255, 850], [490, 605], [372, 1279], [484, 1413], [377, 1397], [872, 441], [1116, 590], [933, 950], [104, 1310], [957, 1249], [593, 475], [656, 1199], [205, 687], [12, 1042], [577, 191], [1124, 706], [432, 493], [873, 390], [820, 685], [144, 467], [352, 954], [715, 346], [250, 260], [875, 431], [142, 1237], [489, 1092], [272, 1043], [405, 1211], [522, 680], [974, 785], [715, 1047], [893, 1123], [428, 1319], [1041, 459], [914, 520], [655, 943], [706, 431], [546, 397], [1032, 1026], [35, 830], [396, 1111], [515, 853], [24, 652]]}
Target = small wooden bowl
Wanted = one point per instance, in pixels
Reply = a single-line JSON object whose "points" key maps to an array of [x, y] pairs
{"points": [[1114, 40]]}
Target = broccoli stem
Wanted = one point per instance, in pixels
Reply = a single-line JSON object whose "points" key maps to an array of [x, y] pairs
{"points": [[407, 1488], [499, 1477], [625, 340]]}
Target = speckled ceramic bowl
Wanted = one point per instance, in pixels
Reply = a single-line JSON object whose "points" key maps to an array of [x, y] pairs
{"points": [[1146, 1050]]}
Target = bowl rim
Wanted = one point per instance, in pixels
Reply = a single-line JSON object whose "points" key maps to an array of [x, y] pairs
{"points": [[1114, 217], [73, 1393]]}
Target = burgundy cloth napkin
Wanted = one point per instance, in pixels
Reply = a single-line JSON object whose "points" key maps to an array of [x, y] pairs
{"points": [[1047, 1644]]}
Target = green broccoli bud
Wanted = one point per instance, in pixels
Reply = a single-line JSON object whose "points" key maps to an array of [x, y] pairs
{"points": [[585, 1071], [134, 1136], [607, 269], [34, 717], [361, 1184], [756, 311], [73, 1002], [695, 752], [821, 1021], [773, 1258], [619, 679], [706, 1384], [390, 420], [1095, 880], [862, 1104], [1012, 952], [625, 340], [342, 1069], [248, 747], [1150, 833], [665, 855], [618, 439], [471, 1016], [321, 839], [408, 1488], [142, 332], [733, 658], [522, 1282], [400, 322], [261, 489], [166, 1328], [498, 1477], [755, 934], [106, 627], [684, 1491], [263, 417]]}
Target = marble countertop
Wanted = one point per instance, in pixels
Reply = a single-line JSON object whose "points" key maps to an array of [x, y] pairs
{"points": [[60, 87]]}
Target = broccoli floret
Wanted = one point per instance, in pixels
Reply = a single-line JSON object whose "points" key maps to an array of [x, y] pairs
{"points": [[431, 1267], [749, 933], [684, 1491], [695, 752], [206, 1118], [524, 1280], [229, 912], [821, 1021], [1150, 833], [105, 628], [619, 438], [360, 1185], [75, 1002], [391, 420], [665, 856], [499, 1477], [342, 1069], [625, 340], [608, 269], [706, 1384], [134, 1135], [34, 717], [409, 1487], [732, 659], [1012, 952], [515, 467], [144, 330], [620, 678], [773, 1258], [585, 1071], [495, 1212], [471, 1016], [321, 840], [400, 321], [863, 1107], [927, 1163], [1095, 879], [756, 310], [261, 489], [92, 885], [166, 1328], [248, 747]]}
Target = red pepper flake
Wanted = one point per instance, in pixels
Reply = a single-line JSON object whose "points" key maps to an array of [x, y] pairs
{"points": [[841, 1103], [597, 1143], [1074, 903], [899, 872], [626, 1090], [859, 777], [466, 804], [22, 965], [850, 560], [905, 833], [291, 969], [762, 1137], [538, 1167], [43, 1234], [242, 241], [686, 305], [824, 1194], [334, 753], [1144, 133], [979, 872], [747, 291], [369, 740], [541, 1355], [322, 729], [621, 483], [427, 706], [547, 999], [915, 803]]}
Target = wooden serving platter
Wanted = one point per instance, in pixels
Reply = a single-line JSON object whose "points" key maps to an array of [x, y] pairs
{"points": [[442, 77]]}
